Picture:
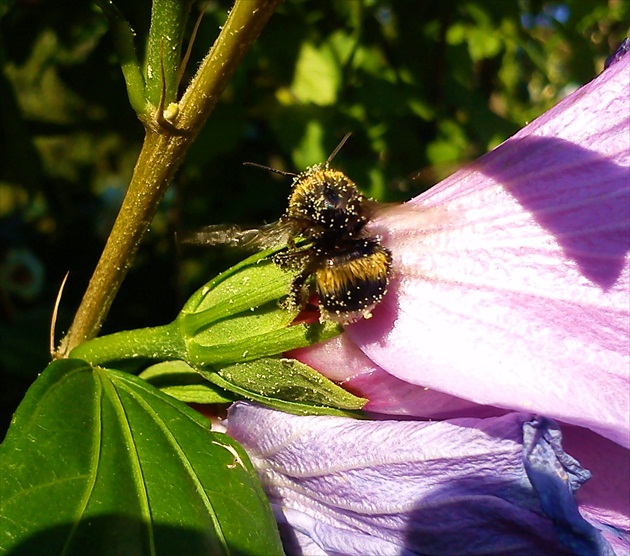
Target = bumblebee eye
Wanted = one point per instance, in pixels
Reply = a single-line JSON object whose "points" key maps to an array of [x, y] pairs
{"points": [[331, 195], [333, 200]]}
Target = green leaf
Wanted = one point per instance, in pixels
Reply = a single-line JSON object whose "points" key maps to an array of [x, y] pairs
{"points": [[287, 385], [317, 75], [100, 462], [182, 382], [310, 148], [483, 43]]}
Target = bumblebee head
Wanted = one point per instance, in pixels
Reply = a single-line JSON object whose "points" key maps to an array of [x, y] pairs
{"points": [[328, 202]]}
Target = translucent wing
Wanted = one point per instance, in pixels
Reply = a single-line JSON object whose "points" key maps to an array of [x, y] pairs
{"points": [[232, 235]]}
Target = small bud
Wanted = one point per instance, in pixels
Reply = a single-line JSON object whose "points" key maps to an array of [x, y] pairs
{"points": [[239, 317]]}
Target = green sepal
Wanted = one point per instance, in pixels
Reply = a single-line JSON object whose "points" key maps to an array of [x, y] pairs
{"points": [[287, 385], [254, 281], [101, 462], [235, 319], [249, 337], [272, 381]]}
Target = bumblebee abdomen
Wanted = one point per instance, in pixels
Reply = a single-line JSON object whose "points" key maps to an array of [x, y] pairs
{"points": [[353, 280]]}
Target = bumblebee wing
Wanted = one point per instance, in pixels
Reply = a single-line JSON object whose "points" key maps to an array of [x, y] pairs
{"points": [[372, 208], [394, 211], [232, 235]]}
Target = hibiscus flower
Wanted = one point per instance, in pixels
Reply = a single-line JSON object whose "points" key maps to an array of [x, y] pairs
{"points": [[507, 319]]}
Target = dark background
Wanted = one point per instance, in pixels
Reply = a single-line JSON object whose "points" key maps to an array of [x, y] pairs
{"points": [[424, 87]]}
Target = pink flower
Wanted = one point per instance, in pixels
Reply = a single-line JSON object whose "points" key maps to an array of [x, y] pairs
{"points": [[512, 283], [511, 293]]}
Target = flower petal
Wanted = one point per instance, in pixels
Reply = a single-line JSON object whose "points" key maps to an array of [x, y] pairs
{"points": [[604, 499], [461, 487], [512, 277], [339, 359]]}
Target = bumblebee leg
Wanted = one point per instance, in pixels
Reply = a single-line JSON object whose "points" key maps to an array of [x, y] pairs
{"points": [[298, 295], [299, 261], [290, 260]]}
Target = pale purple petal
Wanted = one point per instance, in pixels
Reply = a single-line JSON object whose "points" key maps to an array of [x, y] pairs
{"points": [[512, 278], [605, 499], [459, 487], [339, 359]]}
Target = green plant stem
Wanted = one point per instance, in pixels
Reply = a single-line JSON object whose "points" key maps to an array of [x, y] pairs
{"points": [[168, 23], [247, 18], [122, 36], [160, 342], [161, 155]]}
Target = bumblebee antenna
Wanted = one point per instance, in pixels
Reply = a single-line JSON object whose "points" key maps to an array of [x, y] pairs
{"points": [[269, 169], [338, 147], [292, 174]]}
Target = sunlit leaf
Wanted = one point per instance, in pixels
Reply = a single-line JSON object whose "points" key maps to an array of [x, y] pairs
{"points": [[317, 75], [100, 462]]}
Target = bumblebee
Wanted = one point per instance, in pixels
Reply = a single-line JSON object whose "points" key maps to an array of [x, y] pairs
{"points": [[323, 229]]}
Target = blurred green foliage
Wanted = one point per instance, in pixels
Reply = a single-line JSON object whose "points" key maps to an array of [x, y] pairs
{"points": [[423, 87]]}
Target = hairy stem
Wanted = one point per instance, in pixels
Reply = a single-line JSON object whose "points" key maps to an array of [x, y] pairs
{"points": [[161, 343]]}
